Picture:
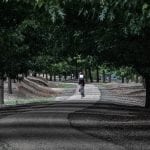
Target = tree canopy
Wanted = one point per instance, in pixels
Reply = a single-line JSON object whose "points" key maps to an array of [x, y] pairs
{"points": [[114, 32]]}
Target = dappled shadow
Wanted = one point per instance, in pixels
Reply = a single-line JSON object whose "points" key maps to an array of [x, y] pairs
{"points": [[116, 123], [121, 125]]}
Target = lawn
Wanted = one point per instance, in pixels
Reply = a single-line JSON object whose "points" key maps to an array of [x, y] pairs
{"points": [[29, 100]]}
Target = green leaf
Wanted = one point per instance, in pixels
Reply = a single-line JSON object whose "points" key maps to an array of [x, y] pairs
{"points": [[145, 6]]}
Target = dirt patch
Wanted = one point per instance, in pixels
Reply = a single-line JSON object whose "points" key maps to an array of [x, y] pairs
{"points": [[129, 90], [24, 96]]}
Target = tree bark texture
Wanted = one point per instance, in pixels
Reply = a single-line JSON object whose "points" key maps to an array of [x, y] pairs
{"points": [[1, 91], [104, 76], [137, 79], [97, 74], [76, 71], [109, 78], [65, 76], [46, 76], [122, 79], [127, 80], [147, 83], [90, 75], [54, 77], [9, 85], [50, 77], [59, 77], [86, 75]]}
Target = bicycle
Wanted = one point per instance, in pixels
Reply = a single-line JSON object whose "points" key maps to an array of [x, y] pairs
{"points": [[81, 90]]}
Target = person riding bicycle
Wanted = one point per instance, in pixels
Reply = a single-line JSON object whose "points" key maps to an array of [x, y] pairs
{"points": [[82, 84]]}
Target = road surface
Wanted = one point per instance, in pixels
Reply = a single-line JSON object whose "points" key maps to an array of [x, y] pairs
{"points": [[75, 124]]}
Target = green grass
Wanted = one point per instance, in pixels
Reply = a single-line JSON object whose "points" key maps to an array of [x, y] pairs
{"points": [[29, 101]]}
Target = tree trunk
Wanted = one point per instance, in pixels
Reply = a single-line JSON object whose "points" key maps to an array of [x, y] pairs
{"points": [[86, 75], [147, 83], [50, 77], [109, 78], [59, 77], [127, 80], [104, 76], [90, 75], [144, 83], [46, 76], [34, 74], [54, 77], [65, 76], [1, 91], [97, 74], [137, 79], [9, 85], [122, 79], [76, 71], [26, 75]]}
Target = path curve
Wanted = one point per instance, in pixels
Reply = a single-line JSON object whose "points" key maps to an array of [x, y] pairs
{"points": [[92, 93]]}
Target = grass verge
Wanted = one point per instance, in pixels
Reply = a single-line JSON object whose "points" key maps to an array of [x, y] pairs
{"points": [[28, 101]]}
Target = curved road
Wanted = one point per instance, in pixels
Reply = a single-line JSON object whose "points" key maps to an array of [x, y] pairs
{"points": [[48, 128], [73, 124]]}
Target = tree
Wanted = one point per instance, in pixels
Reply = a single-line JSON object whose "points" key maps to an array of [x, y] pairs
{"points": [[114, 32], [125, 72], [11, 40], [121, 32], [128, 37], [21, 35]]}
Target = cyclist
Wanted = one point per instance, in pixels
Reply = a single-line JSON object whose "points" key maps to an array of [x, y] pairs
{"points": [[82, 84]]}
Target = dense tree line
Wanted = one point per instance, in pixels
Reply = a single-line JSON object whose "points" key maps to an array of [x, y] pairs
{"points": [[111, 32]]}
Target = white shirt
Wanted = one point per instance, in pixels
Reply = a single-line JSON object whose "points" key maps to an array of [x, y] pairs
{"points": [[81, 76]]}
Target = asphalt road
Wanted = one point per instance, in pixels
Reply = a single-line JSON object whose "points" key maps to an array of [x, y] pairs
{"points": [[47, 127], [89, 123]]}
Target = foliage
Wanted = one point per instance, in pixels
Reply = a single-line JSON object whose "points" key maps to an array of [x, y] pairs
{"points": [[125, 72], [127, 34], [43, 34]]}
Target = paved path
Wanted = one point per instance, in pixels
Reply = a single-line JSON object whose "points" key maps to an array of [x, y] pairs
{"points": [[48, 127], [92, 93], [75, 124]]}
